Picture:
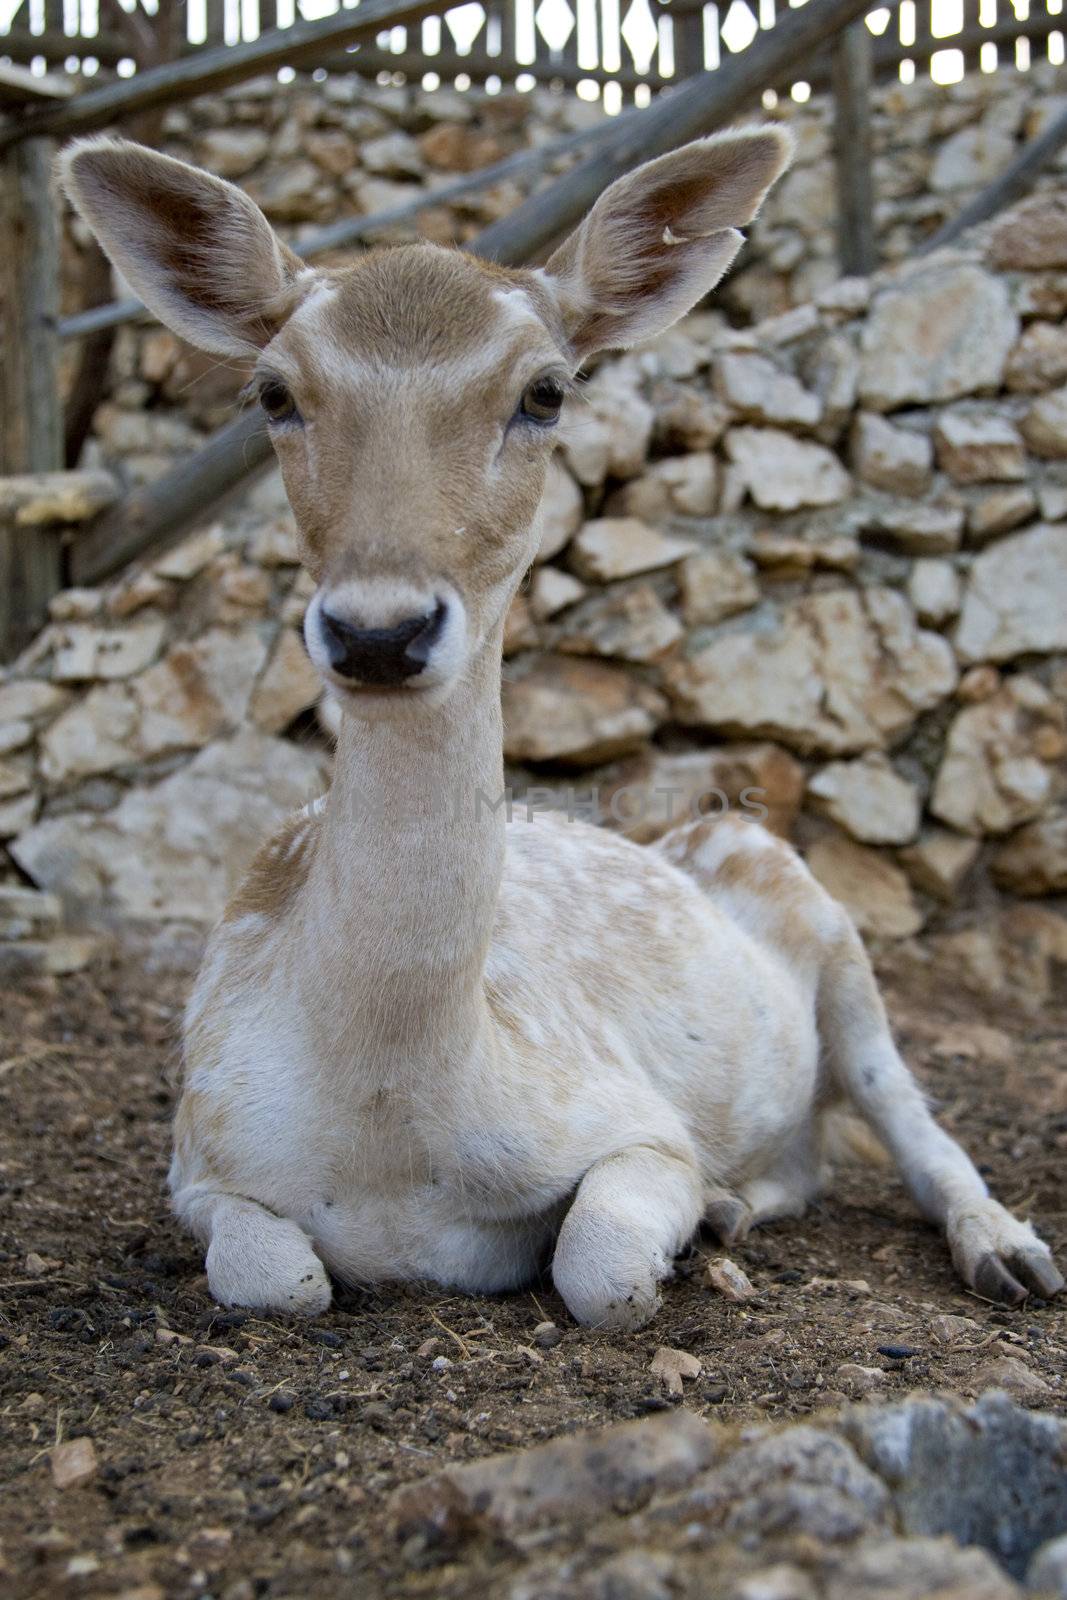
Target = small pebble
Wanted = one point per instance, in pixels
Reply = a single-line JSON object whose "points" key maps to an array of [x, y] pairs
{"points": [[726, 1277], [897, 1352], [280, 1401], [74, 1463]]}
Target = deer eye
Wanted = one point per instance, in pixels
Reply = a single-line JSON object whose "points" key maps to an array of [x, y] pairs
{"points": [[543, 401], [276, 401]]}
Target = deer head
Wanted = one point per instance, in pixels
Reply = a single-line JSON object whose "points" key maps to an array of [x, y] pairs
{"points": [[411, 398]]}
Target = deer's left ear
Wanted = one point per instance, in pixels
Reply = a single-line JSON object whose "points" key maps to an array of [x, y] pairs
{"points": [[660, 238]]}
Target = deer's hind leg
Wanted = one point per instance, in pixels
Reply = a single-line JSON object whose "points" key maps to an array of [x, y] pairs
{"points": [[785, 1188], [767, 889]]}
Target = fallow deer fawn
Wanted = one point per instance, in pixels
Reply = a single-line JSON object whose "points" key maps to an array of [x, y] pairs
{"points": [[427, 1043]]}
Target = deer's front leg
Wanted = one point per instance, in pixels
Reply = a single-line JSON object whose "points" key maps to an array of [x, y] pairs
{"points": [[631, 1215], [254, 1257]]}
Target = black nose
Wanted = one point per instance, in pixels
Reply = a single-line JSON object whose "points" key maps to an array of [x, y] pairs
{"points": [[382, 655]]}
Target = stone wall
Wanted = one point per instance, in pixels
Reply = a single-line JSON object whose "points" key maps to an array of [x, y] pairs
{"points": [[310, 153], [818, 567]]}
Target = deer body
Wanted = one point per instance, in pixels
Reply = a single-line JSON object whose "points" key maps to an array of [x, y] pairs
{"points": [[426, 1043]]}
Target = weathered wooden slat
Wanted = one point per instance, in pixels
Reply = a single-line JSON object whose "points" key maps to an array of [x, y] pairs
{"points": [[18, 87], [208, 71], [1011, 185], [154, 516], [22, 45], [31, 421], [853, 151], [368, 62]]}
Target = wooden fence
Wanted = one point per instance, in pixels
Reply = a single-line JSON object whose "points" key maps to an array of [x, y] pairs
{"points": [[617, 49]]}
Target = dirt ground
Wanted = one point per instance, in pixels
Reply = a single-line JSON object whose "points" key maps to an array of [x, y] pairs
{"points": [[249, 1457]]}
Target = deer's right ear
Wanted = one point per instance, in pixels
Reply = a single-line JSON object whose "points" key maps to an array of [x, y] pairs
{"points": [[199, 253]]}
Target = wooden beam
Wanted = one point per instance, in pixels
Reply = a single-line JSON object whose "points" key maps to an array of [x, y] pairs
{"points": [[31, 418], [31, 430], [22, 45], [18, 87], [1011, 185], [153, 517], [854, 151], [208, 71], [368, 62]]}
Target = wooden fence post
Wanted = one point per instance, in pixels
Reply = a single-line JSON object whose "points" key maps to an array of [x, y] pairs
{"points": [[31, 416], [853, 152], [31, 420]]}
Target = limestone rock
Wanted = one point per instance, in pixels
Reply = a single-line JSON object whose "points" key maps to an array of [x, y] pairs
{"points": [[1016, 600], [782, 473], [939, 861], [618, 547], [655, 791], [1045, 425], [27, 913], [1039, 360], [289, 191], [686, 418], [83, 651], [678, 486], [888, 457], [95, 735], [178, 849], [577, 712], [394, 155], [970, 159], [1047, 1572], [919, 1569], [75, 605], [1031, 236], [979, 449], [935, 591], [803, 1480], [789, 556], [633, 625], [943, 332], [917, 527], [876, 893], [551, 591], [17, 814], [607, 433], [832, 372], [999, 512], [74, 1463], [758, 390], [231, 152], [988, 1475], [273, 544], [30, 700], [1034, 860], [578, 1477], [56, 957], [288, 685], [996, 771], [868, 799], [199, 690], [715, 584], [520, 627], [192, 555], [835, 673], [34, 499], [561, 510]]}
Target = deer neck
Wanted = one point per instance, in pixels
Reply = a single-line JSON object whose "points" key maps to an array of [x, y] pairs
{"points": [[405, 880]]}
